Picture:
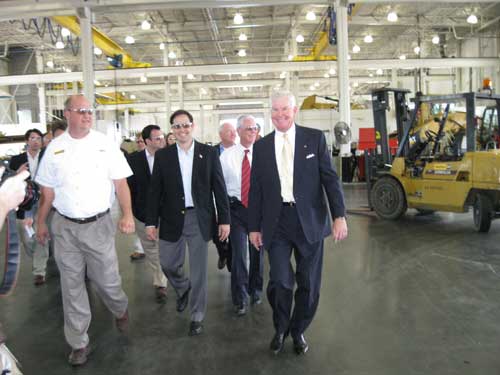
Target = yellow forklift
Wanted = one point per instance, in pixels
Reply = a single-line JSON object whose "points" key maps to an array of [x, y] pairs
{"points": [[442, 165]]}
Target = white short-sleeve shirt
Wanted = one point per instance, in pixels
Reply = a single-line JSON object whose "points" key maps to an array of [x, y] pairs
{"points": [[81, 173], [231, 161]]}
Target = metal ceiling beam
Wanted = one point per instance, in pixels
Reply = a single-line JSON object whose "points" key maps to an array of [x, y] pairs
{"points": [[250, 68]]}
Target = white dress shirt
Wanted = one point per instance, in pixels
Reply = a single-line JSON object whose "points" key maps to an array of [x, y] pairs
{"points": [[151, 160], [81, 172], [278, 148], [186, 165], [231, 161], [33, 163]]}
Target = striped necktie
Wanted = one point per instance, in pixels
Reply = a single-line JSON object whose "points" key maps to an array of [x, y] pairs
{"points": [[245, 179]]}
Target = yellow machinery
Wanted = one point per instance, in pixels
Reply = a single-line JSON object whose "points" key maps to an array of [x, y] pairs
{"points": [[431, 170]]}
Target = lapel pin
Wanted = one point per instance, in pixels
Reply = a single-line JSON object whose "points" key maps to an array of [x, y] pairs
{"points": [[305, 146], [201, 156]]}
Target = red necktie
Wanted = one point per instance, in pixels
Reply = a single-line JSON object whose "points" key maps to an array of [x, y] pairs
{"points": [[245, 179]]}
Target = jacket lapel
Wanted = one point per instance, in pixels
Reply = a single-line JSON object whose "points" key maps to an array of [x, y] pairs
{"points": [[301, 150], [273, 162], [145, 164], [197, 164]]}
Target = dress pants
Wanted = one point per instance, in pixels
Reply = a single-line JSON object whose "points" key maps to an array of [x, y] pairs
{"points": [[244, 281], [152, 255], [289, 237], [172, 256], [88, 246]]}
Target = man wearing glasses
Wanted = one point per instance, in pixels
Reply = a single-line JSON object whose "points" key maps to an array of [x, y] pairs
{"points": [[236, 165], [79, 175], [29, 161], [186, 179], [141, 163]]}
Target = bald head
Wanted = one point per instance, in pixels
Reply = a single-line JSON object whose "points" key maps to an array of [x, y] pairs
{"points": [[227, 134]]}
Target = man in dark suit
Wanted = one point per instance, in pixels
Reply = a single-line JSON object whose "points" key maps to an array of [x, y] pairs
{"points": [[141, 163], [186, 179], [291, 172], [30, 161]]}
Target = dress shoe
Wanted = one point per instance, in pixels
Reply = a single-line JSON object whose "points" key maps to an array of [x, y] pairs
{"points": [[221, 263], [256, 300], [240, 309], [277, 343], [300, 345], [78, 357], [195, 328], [182, 301], [122, 323], [39, 280], [161, 294], [137, 256]]}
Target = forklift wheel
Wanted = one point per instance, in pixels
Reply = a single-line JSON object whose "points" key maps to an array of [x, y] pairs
{"points": [[483, 212], [388, 199]]}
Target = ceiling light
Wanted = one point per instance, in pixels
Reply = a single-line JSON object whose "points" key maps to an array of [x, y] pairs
{"points": [[65, 32], [310, 16], [402, 57], [172, 55], [283, 75], [300, 38], [132, 96], [203, 91], [348, 57], [123, 93], [368, 39], [312, 87], [97, 51], [316, 84], [326, 75], [243, 37], [238, 19], [97, 83], [356, 48], [435, 39], [50, 64], [417, 50], [244, 74], [145, 25], [392, 16], [129, 39], [355, 84], [162, 46], [68, 70], [370, 75], [332, 71], [245, 88], [59, 45], [290, 57], [190, 76], [472, 19], [380, 72], [144, 79], [242, 53]]}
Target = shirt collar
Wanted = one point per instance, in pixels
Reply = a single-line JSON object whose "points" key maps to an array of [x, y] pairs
{"points": [[189, 151], [290, 132], [242, 148], [148, 154]]}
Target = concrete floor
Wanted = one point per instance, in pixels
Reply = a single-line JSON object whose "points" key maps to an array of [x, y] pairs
{"points": [[417, 296]]}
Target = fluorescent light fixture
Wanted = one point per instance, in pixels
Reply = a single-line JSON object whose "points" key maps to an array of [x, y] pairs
{"points": [[238, 19], [283, 75], [143, 79], [332, 71], [290, 57], [65, 32], [97, 83], [380, 72], [242, 53], [402, 57], [435, 39], [247, 26], [472, 19], [355, 84], [132, 96], [244, 74], [68, 70], [299, 38], [50, 64], [368, 39], [97, 51], [326, 75], [243, 37], [392, 16], [312, 87], [310, 16], [240, 103], [145, 25], [59, 45], [190, 76], [348, 57], [172, 55], [316, 84], [162, 46], [245, 88], [203, 91], [236, 85], [356, 49], [129, 39], [417, 50]]}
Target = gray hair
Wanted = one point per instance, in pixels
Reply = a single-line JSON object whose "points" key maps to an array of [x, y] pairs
{"points": [[67, 102], [284, 94], [223, 124], [242, 118]]}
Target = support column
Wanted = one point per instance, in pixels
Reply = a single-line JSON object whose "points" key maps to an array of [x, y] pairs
{"points": [[168, 102], [180, 91], [74, 88], [202, 123], [84, 14], [343, 68], [126, 122], [295, 85], [42, 118], [394, 78]]}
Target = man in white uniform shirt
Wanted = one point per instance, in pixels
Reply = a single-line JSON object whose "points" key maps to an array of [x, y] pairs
{"points": [[236, 165], [79, 175]]}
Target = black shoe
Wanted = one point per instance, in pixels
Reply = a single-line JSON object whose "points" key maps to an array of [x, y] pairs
{"points": [[300, 345], [221, 263], [241, 309], [256, 300], [182, 301], [195, 328], [277, 343]]}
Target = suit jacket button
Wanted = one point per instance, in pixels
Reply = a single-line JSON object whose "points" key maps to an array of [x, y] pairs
{"points": [[182, 212]]}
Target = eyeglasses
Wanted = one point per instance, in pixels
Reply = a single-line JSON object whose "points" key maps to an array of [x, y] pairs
{"points": [[35, 138], [139, 141], [252, 128], [159, 138], [82, 111], [186, 125]]}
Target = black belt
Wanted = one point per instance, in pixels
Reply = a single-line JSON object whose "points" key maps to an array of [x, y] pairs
{"points": [[289, 204], [189, 208], [86, 220]]}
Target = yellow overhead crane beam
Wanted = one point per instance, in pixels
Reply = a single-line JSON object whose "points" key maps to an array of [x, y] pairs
{"points": [[317, 50], [108, 46]]}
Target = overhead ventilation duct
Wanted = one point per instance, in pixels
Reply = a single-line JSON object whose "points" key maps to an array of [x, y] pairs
{"points": [[118, 57]]}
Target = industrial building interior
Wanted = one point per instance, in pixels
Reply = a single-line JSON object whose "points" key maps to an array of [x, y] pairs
{"points": [[416, 294]]}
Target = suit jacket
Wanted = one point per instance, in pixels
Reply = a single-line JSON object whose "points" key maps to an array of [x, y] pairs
{"points": [[139, 183], [313, 176], [15, 163], [165, 203]]}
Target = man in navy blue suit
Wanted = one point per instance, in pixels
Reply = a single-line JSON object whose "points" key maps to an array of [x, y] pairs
{"points": [[291, 175]]}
